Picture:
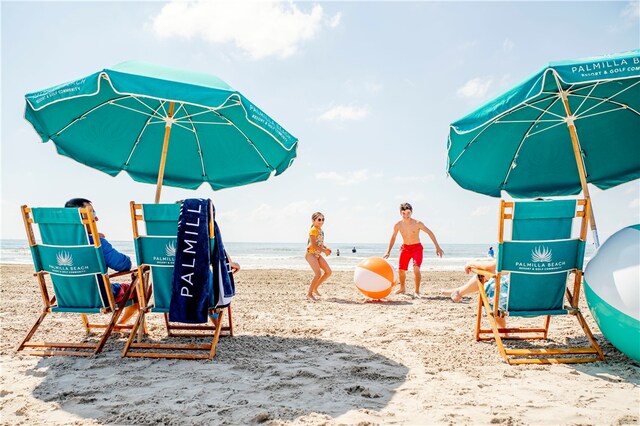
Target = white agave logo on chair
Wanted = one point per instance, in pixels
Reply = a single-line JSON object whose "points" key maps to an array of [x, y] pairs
{"points": [[169, 254], [170, 248], [64, 258], [541, 254], [65, 265], [541, 261]]}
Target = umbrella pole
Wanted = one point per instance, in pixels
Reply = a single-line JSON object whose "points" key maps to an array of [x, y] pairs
{"points": [[575, 142], [165, 148]]}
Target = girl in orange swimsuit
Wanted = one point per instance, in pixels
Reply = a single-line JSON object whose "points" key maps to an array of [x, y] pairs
{"points": [[315, 248]]}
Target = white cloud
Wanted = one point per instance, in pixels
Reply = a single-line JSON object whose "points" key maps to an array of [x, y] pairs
{"points": [[259, 28], [631, 12], [475, 88], [334, 21], [349, 178], [344, 113], [507, 45]]}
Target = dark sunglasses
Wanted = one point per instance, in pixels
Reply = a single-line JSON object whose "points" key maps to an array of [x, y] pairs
{"points": [[321, 219]]}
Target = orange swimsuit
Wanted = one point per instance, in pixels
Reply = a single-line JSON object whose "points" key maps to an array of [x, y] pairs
{"points": [[318, 235]]}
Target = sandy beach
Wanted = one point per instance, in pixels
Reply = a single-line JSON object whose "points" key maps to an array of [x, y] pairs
{"points": [[339, 361]]}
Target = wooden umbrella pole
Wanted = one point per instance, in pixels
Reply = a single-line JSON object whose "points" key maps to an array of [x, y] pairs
{"points": [[575, 142], [165, 148]]}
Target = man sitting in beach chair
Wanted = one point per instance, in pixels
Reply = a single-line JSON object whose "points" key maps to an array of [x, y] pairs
{"points": [[70, 252], [184, 274], [540, 259]]}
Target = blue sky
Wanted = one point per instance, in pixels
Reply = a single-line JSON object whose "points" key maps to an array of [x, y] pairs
{"points": [[369, 88]]}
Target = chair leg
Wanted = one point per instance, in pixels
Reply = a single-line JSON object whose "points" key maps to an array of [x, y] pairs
{"points": [[33, 330], [85, 321], [216, 336], [167, 324], [134, 331], [492, 321], [587, 332], [108, 330], [479, 319], [546, 326], [230, 321]]}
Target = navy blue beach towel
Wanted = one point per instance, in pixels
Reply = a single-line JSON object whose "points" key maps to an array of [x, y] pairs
{"points": [[191, 289], [223, 284]]}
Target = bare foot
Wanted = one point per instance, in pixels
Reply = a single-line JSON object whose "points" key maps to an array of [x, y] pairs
{"points": [[453, 293], [418, 295], [401, 290], [312, 298], [317, 293]]}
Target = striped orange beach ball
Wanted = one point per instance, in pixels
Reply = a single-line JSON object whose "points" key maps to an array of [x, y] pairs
{"points": [[375, 277]]}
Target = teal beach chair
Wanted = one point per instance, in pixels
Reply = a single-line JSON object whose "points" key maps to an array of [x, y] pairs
{"points": [[539, 257], [155, 252], [68, 263]]}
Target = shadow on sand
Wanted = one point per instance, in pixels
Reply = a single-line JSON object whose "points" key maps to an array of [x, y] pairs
{"points": [[253, 379]]}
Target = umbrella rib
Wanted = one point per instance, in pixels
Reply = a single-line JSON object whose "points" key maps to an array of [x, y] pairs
{"points": [[607, 100], [528, 134], [151, 116], [489, 124], [245, 136], [527, 121], [135, 145], [605, 112], [544, 110], [197, 138], [546, 129], [75, 120], [569, 93]]}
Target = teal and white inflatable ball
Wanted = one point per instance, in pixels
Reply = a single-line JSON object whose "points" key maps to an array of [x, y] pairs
{"points": [[612, 289]]}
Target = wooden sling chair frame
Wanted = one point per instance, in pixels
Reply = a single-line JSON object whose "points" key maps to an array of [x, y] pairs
{"points": [[172, 350], [538, 355], [45, 348]]}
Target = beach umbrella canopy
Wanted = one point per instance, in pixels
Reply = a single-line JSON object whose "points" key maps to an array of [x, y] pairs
{"points": [[570, 123], [162, 126]]}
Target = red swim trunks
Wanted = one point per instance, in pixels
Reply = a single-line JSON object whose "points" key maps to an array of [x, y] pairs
{"points": [[410, 251]]}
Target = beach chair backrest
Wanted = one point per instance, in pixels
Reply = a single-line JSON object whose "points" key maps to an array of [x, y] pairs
{"points": [[157, 248], [69, 256], [540, 255]]}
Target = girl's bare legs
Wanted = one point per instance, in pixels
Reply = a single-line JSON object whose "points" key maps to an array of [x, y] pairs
{"points": [[322, 263], [317, 274]]}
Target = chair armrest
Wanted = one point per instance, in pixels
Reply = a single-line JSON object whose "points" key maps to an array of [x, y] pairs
{"points": [[483, 272]]}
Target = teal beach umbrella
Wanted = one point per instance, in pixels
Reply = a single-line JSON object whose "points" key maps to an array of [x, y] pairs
{"points": [[569, 124], [162, 126]]}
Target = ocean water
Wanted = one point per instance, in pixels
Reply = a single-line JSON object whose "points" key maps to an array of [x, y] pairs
{"points": [[291, 255]]}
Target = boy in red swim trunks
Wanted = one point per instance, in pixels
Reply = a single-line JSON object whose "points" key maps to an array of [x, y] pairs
{"points": [[411, 248]]}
